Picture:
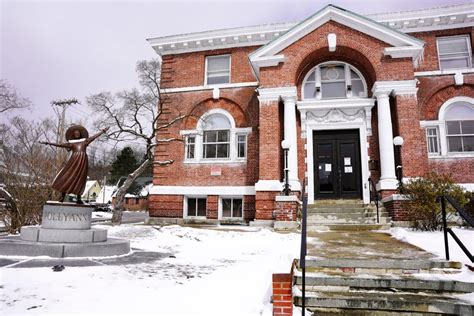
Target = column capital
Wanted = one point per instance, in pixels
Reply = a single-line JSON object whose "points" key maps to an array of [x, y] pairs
{"points": [[394, 87], [275, 94]]}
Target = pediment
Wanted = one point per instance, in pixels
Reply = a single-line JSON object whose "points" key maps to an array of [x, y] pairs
{"points": [[399, 45]]}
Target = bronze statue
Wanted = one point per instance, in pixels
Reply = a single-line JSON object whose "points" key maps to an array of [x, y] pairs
{"points": [[73, 177]]}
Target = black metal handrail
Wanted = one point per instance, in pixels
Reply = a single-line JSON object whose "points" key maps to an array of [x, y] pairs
{"points": [[376, 198], [303, 250], [446, 229]]}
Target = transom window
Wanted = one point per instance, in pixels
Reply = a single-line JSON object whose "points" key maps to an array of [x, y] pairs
{"points": [[460, 127], [232, 207], [454, 52], [217, 69], [334, 80]]}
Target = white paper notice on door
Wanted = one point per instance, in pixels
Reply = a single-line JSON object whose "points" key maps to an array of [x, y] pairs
{"points": [[347, 161], [328, 167], [348, 169]]}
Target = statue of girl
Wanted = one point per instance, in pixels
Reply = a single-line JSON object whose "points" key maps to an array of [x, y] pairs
{"points": [[73, 177]]}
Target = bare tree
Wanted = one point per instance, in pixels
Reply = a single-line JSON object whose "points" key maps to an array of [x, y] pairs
{"points": [[26, 170], [137, 116], [10, 99]]}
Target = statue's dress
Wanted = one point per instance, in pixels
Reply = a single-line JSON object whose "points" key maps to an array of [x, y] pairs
{"points": [[73, 177]]}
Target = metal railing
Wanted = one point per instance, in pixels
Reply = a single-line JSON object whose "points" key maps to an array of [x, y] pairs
{"points": [[442, 199], [375, 196], [303, 250]]}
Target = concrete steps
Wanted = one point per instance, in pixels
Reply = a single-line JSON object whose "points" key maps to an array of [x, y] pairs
{"points": [[381, 266], [377, 301], [382, 286], [345, 215]]}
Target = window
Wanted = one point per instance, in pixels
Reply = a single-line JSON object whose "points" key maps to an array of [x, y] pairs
{"points": [[232, 207], [432, 140], [196, 206], [216, 144], [241, 146], [190, 146], [334, 80], [460, 127], [216, 137], [453, 134], [454, 52], [216, 140], [217, 69]]}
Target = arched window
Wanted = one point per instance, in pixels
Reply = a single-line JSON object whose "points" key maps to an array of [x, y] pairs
{"points": [[453, 133], [459, 119], [216, 136], [334, 80], [216, 139]]}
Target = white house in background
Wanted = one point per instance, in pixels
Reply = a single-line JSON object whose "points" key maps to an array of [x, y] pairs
{"points": [[92, 190], [105, 194]]}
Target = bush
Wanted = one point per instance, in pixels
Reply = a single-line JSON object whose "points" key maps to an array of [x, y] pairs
{"points": [[424, 212]]}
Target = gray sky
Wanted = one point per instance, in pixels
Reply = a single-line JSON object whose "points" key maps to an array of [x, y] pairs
{"points": [[60, 49]]}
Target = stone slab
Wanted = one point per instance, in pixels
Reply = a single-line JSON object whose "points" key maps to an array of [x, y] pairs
{"points": [[40, 234], [14, 246], [285, 225], [66, 216], [261, 223]]}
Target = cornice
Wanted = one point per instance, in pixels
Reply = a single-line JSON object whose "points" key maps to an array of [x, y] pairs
{"points": [[423, 20]]}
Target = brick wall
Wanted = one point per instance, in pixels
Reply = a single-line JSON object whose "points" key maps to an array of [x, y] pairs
{"points": [[430, 60], [359, 49], [187, 70], [264, 160]]}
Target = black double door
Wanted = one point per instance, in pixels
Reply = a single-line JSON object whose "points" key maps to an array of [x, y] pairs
{"points": [[337, 172]]}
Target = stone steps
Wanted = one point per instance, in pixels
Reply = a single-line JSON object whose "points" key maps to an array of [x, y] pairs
{"points": [[385, 282], [376, 301], [381, 266], [330, 214], [347, 227]]}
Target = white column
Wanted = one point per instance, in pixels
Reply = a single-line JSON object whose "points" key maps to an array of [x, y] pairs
{"points": [[388, 180], [290, 136]]}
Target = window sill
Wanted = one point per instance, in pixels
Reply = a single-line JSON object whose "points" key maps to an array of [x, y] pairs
{"points": [[216, 161], [452, 156]]}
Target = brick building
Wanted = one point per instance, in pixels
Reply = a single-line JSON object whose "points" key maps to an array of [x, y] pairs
{"points": [[338, 87]]}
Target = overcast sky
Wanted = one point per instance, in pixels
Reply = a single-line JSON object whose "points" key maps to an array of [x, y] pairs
{"points": [[61, 49]]}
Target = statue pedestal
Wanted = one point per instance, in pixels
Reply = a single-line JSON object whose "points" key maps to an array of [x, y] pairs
{"points": [[65, 232], [64, 223]]}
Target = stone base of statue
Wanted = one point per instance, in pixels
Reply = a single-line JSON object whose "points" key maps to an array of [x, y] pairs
{"points": [[65, 232]]}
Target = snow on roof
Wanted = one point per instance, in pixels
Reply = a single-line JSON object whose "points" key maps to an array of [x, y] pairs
{"points": [[89, 185], [105, 194]]}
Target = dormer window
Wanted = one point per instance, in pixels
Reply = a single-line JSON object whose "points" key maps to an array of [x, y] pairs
{"points": [[454, 52], [334, 80], [217, 69]]}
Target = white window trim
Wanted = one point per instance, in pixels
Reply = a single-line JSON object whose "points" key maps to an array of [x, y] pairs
{"points": [[237, 145], [468, 39], [186, 146], [347, 73], [199, 133], [441, 125], [185, 205], [205, 70], [220, 206], [434, 154]]}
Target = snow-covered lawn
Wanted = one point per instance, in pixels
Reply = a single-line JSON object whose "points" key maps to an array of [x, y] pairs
{"points": [[434, 242], [205, 272]]}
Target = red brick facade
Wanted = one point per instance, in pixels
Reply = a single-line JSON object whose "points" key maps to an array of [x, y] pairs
{"points": [[185, 73]]}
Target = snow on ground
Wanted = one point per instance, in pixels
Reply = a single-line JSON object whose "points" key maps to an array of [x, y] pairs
{"points": [[214, 272], [434, 242], [102, 215]]}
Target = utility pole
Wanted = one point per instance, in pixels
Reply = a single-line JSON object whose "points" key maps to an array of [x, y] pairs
{"points": [[63, 104]]}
